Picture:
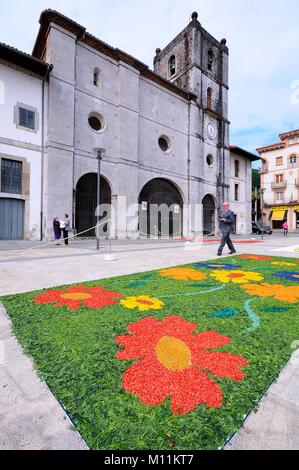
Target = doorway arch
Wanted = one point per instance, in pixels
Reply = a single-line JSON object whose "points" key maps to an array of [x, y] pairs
{"points": [[86, 203], [209, 215], [160, 209]]}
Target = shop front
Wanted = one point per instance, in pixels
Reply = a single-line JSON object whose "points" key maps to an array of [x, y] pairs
{"points": [[278, 215]]}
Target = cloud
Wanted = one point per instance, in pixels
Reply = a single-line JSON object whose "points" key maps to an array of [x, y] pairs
{"points": [[263, 38]]}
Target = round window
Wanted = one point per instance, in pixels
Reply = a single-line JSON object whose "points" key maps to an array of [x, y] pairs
{"points": [[164, 143], [96, 122], [210, 160]]}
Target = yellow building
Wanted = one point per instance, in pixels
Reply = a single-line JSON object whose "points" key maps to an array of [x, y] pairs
{"points": [[280, 181]]}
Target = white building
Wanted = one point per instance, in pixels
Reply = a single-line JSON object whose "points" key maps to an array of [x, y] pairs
{"points": [[280, 181], [240, 195], [23, 92]]}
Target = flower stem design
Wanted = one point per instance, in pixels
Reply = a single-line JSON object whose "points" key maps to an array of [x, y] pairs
{"points": [[191, 294], [255, 319]]}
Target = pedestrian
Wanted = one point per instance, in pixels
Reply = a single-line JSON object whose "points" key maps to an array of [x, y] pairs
{"points": [[226, 218], [57, 230], [285, 227], [65, 225]]}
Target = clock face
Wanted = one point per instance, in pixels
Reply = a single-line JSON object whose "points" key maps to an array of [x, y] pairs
{"points": [[211, 130]]}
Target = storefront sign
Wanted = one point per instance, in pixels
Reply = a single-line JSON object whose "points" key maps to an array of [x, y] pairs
{"points": [[280, 208]]}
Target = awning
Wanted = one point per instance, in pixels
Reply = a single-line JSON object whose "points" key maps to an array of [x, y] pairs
{"points": [[278, 215]]}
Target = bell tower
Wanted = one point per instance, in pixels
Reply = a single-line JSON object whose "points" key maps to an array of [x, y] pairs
{"points": [[195, 61]]}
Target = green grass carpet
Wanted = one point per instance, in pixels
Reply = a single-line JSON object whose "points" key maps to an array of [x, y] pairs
{"points": [[204, 343]]}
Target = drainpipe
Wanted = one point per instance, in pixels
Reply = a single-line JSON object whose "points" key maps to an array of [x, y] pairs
{"points": [[45, 78], [189, 166], [80, 38]]}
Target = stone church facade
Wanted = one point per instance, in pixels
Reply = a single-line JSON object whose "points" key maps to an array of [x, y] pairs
{"points": [[163, 134]]}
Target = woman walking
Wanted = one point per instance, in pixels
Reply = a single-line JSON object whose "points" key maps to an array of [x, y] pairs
{"points": [[57, 230], [285, 227]]}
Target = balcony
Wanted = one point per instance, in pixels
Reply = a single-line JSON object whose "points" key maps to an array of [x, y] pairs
{"points": [[280, 185]]}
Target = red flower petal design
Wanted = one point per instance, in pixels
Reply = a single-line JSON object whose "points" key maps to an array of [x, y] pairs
{"points": [[256, 257], [73, 297], [173, 362], [197, 388], [222, 364], [152, 385]]}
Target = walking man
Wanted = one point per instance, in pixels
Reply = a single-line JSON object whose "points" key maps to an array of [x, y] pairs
{"points": [[226, 225]]}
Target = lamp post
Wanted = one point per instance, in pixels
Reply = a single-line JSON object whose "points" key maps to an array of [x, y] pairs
{"points": [[99, 159], [262, 192]]}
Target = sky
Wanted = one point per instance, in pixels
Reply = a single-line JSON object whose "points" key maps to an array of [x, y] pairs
{"points": [[262, 36]]}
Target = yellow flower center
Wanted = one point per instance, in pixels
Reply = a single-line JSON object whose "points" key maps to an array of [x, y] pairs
{"points": [[296, 276], [144, 302], [235, 275], [76, 296], [173, 353]]}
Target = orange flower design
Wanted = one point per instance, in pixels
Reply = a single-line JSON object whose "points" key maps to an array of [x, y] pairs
{"points": [[74, 297], [256, 257], [278, 291], [174, 362], [183, 274]]}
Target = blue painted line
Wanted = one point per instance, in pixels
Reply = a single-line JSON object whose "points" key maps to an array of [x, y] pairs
{"points": [[193, 293], [255, 319]]}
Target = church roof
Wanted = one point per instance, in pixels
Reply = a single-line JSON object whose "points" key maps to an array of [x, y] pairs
{"points": [[52, 16]]}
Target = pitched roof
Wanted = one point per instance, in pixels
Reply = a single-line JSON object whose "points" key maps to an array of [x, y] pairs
{"points": [[26, 61], [268, 148], [279, 145], [53, 16], [293, 133]]}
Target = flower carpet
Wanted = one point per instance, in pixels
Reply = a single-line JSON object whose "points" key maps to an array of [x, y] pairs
{"points": [[170, 359]]}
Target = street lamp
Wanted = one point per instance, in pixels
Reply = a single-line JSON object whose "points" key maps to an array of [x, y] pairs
{"points": [[262, 192]]}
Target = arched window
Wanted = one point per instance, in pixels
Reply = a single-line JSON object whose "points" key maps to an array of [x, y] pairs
{"points": [[293, 161], [209, 97], [96, 77], [172, 66], [210, 59]]}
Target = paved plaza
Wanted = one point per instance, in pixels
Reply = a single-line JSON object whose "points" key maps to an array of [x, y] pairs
{"points": [[30, 416]]}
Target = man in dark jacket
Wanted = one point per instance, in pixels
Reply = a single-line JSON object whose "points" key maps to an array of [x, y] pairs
{"points": [[226, 225]]}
